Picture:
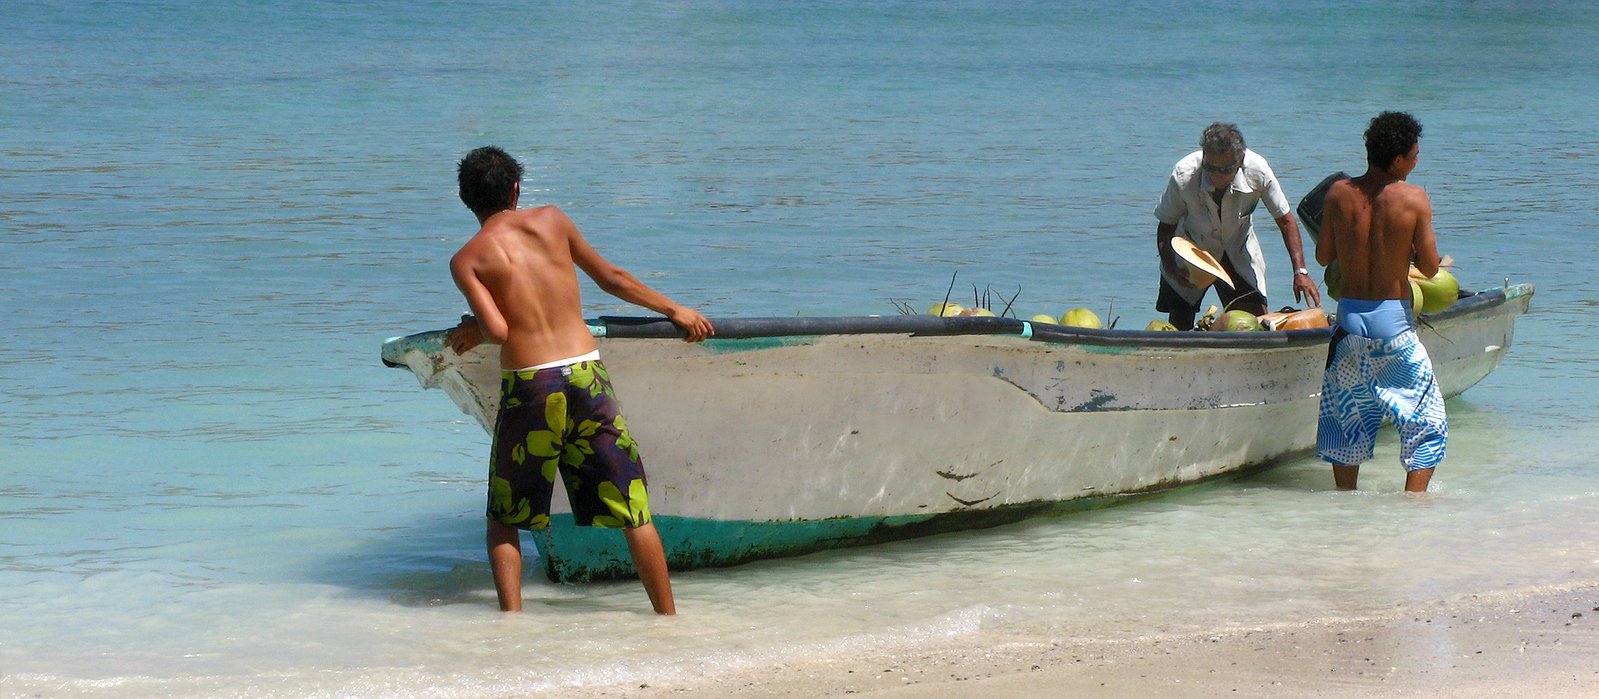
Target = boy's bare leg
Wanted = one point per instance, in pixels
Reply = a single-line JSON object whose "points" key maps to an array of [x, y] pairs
{"points": [[1416, 481], [505, 560], [644, 543], [1344, 476]]}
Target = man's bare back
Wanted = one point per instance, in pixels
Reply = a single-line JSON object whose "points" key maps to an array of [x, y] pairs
{"points": [[1375, 226], [518, 275]]}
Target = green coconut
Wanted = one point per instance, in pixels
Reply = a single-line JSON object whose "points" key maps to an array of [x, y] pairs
{"points": [[1237, 321], [1161, 325], [1438, 293], [1332, 280], [1081, 318]]}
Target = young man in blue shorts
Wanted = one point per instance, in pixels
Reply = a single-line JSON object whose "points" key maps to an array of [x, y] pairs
{"points": [[1376, 226], [558, 416]]}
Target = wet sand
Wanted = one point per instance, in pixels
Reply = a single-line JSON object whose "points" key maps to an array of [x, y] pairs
{"points": [[1543, 643]]}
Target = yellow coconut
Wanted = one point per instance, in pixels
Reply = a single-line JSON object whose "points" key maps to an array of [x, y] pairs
{"points": [[945, 309], [1158, 324], [1043, 318], [1081, 318]]}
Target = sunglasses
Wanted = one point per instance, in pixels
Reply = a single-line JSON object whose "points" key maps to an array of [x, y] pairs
{"points": [[1219, 169]]}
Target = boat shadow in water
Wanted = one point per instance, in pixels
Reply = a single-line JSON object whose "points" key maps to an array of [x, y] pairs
{"points": [[438, 560]]}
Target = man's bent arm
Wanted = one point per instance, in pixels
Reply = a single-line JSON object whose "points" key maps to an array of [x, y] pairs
{"points": [[1304, 287], [1425, 243], [1164, 232], [1296, 252], [490, 321], [1326, 249]]}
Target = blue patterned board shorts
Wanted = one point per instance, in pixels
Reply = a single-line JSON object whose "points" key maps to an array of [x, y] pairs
{"points": [[1367, 380], [564, 422]]}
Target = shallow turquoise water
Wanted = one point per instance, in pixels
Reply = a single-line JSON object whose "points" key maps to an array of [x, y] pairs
{"points": [[212, 214]]}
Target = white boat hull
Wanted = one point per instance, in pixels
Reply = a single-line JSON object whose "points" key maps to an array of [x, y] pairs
{"points": [[766, 446]]}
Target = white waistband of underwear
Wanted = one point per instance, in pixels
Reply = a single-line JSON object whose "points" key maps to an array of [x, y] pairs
{"points": [[590, 357]]}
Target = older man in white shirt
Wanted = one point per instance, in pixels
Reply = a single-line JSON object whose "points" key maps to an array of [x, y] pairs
{"points": [[1209, 200]]}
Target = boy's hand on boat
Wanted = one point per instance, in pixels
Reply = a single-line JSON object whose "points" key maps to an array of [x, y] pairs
{"points": [[465, 336], [692, 323]]}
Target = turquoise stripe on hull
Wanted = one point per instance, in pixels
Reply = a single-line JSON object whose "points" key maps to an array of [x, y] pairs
{"points": [[578, 554], [575, 554]]}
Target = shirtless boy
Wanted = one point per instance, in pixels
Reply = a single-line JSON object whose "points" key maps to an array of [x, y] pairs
{"points": [[558, 412], [1375, 226]]}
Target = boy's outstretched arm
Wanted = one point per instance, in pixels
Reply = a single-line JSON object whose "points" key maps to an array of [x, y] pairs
{"points": [[620, 283]]}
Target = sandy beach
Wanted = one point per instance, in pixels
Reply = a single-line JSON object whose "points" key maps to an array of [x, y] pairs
{"points": [[1542, 643]]}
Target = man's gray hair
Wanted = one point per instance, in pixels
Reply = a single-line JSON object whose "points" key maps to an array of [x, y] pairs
{"points": [[1221, 138]]}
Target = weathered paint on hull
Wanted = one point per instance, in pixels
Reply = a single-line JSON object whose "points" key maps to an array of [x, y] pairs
{"points": [[774, 446]]}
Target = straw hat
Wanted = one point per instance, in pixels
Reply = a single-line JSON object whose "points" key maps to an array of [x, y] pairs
{"points": [[1203, 267]]}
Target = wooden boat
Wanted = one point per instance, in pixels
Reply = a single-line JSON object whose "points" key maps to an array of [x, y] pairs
{"points": [[788, 435]]}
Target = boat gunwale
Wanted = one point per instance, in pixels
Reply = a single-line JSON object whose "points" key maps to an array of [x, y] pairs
{"points": [[630, 327], [638, 327]]}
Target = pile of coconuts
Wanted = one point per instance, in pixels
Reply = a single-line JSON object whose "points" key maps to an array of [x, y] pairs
{"points": [[1076, 317], [1429, 295]]}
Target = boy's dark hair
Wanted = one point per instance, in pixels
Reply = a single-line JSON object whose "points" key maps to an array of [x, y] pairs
{"points": [[1390, 135], [487, 176]]}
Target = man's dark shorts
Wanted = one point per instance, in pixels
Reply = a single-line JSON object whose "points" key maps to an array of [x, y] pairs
{"points": [[1169, 301], [564, 420]]}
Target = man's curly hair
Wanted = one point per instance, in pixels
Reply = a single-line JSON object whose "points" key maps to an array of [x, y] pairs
{"points": [[1390, 135]]}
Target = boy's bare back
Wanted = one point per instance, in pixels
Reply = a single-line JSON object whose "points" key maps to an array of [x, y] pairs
{"points": [[518, 275], [1376, 226]]}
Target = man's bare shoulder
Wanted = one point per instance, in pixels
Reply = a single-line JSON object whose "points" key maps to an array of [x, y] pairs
{"points": [[1341, 193], [546, 221], [488, 243], [482, 239], [471, 253], [548, 213], [1343, 187], [1404, 194]]}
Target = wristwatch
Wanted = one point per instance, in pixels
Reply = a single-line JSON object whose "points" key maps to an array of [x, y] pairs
{"points": [[1302, 270]]}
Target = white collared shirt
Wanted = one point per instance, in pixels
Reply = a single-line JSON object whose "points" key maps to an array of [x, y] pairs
{"points": [[1227, 229]]}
